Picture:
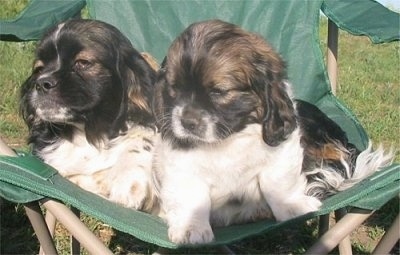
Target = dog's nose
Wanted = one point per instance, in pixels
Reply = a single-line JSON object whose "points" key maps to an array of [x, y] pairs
{"points": [[191, 118], [45, 84], [190, 123]]}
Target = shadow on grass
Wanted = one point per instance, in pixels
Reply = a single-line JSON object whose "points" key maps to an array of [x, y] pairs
{"points": [[17, 236]]}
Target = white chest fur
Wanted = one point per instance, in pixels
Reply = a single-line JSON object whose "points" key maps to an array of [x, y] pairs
{"points": [[241, 176], [237, 180], [119, 169]]}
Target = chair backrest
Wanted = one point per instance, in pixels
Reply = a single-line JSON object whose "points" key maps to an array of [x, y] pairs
{"points": [[291, 27]]}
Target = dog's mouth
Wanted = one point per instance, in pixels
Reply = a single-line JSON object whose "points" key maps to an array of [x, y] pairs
{"points": [[49, 110], [56, 115], [193, 126]]}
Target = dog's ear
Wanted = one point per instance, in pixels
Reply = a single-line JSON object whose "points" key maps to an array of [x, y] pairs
{"points": [[141, 76], [26, 111], [279, 117], [138, 76], [158, 100]]}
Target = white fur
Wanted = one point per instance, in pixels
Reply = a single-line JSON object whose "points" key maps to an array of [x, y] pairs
{"points": [[179, 131], [46, 113], [368, 162], [119, 170], [196, 185]]}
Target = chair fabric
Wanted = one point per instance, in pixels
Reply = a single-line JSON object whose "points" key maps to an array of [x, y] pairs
{"points": [[34, 180], [37, 18], [364, 17], [291, 27]]}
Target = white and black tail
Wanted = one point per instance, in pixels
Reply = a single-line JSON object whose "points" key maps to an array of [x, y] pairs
{"points": [[326, 179]]}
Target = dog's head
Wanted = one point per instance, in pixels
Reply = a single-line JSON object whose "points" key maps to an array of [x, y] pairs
{"points": [[215, 80], [87, 75]]}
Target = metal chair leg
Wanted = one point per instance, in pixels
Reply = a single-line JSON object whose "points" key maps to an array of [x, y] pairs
{"points": [[51, 225], [323, 225], [336, 234], [345, 244], [36, 218], [76, 227], [389, 239], [75, 245], [332, 56]]}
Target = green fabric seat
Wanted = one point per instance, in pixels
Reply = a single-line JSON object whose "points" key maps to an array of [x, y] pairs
{"points": [[25, 178], [290, 26]]}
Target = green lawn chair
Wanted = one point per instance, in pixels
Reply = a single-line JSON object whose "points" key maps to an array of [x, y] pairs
{"points": [[291, 27]]}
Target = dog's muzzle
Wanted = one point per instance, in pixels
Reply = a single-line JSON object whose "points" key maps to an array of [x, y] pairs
{"points": [[192, 119], [191, 122], [45, 84]]}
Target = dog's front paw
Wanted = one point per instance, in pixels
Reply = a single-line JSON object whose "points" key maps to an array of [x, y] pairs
{"points": [[192, 234], [132, 196], [298, 207]]}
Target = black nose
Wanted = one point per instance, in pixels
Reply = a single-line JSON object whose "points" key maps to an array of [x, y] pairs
{"points": [[191, 118], [45, 84], [190, 123]]}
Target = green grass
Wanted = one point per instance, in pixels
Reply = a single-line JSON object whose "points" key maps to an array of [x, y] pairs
{"points": [[14, 68], [15, 65], [369, 83], [374, 95]]}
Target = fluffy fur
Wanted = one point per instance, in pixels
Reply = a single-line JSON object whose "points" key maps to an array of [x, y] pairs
{"points": [[235, 147], [87, 107]]}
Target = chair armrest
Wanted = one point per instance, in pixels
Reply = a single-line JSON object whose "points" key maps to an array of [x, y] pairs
{"points": [[37, 18], [364, 17]]}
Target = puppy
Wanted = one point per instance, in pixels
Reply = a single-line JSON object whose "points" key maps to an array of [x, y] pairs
{"points": [[235, 146], [87, 107]]}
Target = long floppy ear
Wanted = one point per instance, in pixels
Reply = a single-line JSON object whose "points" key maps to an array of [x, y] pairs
{"points": [[158, 100], [139, 77], [142, 77], [279, 117], [26, 111]]}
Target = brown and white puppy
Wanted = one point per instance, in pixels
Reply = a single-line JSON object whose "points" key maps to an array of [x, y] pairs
{"points": [[87, 107], [235, 146]]}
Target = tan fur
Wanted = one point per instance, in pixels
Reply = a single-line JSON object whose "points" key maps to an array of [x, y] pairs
{"points": [[150, 60], [328, 151], [137, 98]]}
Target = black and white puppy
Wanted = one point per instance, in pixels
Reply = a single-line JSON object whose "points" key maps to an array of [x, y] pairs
{"points": [[235, 146], [87, 107]]}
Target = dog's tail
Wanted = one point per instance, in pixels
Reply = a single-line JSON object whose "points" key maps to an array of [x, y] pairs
{"points": [[325, 179]]}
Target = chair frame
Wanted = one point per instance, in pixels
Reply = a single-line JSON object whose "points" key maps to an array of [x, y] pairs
{"points": [[346, 222]]}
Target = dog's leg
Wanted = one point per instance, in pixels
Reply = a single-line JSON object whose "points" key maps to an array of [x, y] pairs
{"points": [[285, 195], [186, 204]]}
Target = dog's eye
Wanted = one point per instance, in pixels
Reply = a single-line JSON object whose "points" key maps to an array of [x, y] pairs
{"points": [[82, 64], [171, 91], [217, 92], [38, 67]]}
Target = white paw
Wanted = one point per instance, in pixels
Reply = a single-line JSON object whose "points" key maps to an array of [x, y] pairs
{"points": [[298, 207], [131, 196], [192, 234]]}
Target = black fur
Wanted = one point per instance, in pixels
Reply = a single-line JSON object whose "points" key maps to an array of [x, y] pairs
{"points": [[91, 69], [317, 131]]}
